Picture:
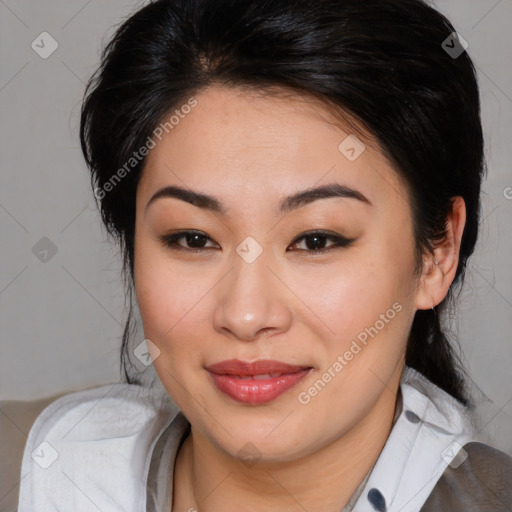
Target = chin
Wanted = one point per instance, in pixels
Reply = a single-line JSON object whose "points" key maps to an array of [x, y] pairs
{"points": [[269, 440]]}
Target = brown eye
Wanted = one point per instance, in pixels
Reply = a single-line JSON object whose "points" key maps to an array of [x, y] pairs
{"points": [[195, 241], [315, 241]]}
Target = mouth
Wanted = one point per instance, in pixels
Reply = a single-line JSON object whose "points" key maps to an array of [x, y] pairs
{"points": [[258, 382]]}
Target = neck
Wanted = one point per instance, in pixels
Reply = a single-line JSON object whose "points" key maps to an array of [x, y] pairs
{"points": [[207, 479]]}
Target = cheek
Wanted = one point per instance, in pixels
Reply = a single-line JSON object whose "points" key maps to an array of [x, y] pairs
{"points": [[173, 304], [347, 297], [170, 308], [363, 308]]}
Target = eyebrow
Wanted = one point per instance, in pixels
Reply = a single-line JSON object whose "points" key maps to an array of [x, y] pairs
{"points": [[292, 202]]}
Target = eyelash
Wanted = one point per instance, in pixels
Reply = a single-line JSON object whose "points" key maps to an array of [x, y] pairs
{"points": [[170, 241]]}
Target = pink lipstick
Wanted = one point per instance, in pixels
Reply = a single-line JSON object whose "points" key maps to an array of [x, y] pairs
{"points": [[258, 382]]}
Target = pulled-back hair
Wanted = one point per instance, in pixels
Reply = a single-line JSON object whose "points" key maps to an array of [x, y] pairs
{"points": [[384, 63]]}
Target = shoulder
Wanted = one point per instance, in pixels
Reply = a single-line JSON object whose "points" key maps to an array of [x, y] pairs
{"points": [[104, 412], [479, 479], [464, 475], [92, 446], [16, 419], [93, 408]]}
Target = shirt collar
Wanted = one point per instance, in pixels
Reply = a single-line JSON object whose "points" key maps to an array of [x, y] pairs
{"points": [[430, 427]]}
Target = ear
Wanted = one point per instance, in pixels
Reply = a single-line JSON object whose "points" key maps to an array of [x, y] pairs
{"points": [[439, 270]]}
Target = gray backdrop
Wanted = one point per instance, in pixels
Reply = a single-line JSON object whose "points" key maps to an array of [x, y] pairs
{"points": [[61, 296]]}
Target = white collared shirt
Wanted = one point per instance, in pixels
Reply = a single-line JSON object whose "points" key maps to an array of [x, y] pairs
{"points": [[112, 448]]}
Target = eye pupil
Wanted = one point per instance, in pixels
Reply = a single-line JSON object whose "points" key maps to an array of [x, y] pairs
{"points": [[193, 237], [315, 245]]}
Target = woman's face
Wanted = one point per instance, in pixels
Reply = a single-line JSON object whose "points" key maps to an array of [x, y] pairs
{"points": [[252, 287]]}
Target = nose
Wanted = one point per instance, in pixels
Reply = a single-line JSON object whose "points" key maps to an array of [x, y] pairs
{"points": [[252, 300]]}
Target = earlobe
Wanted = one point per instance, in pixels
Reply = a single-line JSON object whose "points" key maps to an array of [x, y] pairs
{"points": [[441, 267]]}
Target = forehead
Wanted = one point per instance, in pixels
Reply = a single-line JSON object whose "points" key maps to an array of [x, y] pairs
{"points": [[236, 141]]}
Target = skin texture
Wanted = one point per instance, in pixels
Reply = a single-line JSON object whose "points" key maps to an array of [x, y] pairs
{"points": [[291, 304]]}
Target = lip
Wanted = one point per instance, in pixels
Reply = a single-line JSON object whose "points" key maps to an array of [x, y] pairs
{"points": [[235, 378]]}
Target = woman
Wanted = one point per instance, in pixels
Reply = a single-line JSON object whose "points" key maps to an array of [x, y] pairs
{"points": [[295, 188]]}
